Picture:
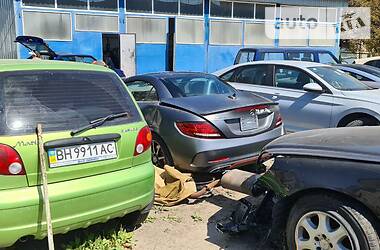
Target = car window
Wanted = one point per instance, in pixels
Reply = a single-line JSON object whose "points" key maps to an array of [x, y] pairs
{"points": [[67, 58], [274, 56], [326, 58], [190, 85], [301, 56], [374, 63], [258, 75], [61, 100], [291, 78], [338, 79], [84, 59], [247, 56], [143, 91], [228, 76]]}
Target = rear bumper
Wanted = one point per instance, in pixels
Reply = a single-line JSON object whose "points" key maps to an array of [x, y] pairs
{"points": [[75, 204], [202, 155]]}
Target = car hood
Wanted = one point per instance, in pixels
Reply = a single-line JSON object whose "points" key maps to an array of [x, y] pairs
{"points": [[372, 95], [358, 143], [205, 105]]}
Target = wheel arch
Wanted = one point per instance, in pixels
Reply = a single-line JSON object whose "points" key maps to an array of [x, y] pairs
{"points": [[284, 206], [355, 115]]}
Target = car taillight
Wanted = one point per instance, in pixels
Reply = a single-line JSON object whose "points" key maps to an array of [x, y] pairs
{"points": [[143, 141], [199, 129], [10, 161], [278, 121]]}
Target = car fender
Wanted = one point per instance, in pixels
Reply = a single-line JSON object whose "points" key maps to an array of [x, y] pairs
{"points": [[337, 117], [292, 175]]}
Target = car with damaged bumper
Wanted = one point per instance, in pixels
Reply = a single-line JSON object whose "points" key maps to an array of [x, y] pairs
{"points": [[320, 187], [96, 142], [202, 124]]}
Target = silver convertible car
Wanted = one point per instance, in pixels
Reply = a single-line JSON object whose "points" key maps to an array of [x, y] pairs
{"points": [[310, 95], [202, 124]]}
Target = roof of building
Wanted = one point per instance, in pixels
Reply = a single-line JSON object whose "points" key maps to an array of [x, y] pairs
{"points": [[18, 65]]}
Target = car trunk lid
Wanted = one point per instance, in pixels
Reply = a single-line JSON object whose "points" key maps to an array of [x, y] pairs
{"points": [[36, 44], [239, 115]]}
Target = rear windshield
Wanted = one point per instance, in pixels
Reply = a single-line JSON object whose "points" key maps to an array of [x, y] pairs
{"points": [[184, 86], [60, 100]]}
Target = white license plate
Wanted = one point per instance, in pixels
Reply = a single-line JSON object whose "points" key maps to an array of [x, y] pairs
{"points": [[73, 155], [249, 122]]}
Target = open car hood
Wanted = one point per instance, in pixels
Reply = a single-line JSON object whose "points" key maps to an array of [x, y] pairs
{"points": [[206, 105], [357, 143], [34, 43]]}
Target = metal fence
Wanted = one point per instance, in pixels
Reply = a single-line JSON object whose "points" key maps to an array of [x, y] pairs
{"points": [[8, 49]]}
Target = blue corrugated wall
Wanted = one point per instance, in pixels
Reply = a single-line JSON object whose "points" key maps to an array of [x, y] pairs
{"points": [[152, 57]]}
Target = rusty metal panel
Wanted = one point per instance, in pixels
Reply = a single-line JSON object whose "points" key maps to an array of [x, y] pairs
{"points": [[8, 49]]}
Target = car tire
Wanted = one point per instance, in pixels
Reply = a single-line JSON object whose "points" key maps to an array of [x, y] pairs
{"points": [[341, 216], [160, 153], [360, 122]]}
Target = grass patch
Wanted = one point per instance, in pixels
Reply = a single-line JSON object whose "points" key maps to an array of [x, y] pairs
{"points": [[150, 219], [196, 218], [172, 218], [118, 240]]}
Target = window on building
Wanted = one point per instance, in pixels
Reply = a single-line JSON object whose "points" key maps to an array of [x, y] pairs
{"points": [[191, 7], [221, 8], [104, 5], [265, 11], [226, 32], [96, 23], [244, 10], [166, 6], [142, 6], [47, 25], [72, 4], [309, 14], [147, 30], [190, 31], [259, 34], [40, 3], [328, 15]]}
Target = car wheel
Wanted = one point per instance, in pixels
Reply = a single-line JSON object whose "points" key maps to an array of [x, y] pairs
{"points": [[160, 153], [360, 122], [327, 222]]}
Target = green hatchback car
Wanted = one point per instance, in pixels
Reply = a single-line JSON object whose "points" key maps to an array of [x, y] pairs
{"points": [[96, 142]]}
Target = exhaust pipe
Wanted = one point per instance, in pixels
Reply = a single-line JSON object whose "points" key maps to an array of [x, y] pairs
{"points": [[240, 181]]}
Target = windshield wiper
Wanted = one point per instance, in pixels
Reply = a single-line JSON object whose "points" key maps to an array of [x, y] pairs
{"points": [[98, 122]]}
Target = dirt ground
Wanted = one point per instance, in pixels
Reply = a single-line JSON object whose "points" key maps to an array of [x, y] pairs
{"points": [[193, 226]]}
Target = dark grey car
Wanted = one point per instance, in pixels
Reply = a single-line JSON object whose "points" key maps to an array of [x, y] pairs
{"points": [[202, 124]]}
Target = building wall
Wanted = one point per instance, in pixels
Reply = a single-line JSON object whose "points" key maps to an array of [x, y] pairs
{"points": [[8, 49], [204, 42]]}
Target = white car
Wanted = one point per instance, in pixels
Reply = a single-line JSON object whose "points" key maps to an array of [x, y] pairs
{"points": [[372, 61], [310, 95]]}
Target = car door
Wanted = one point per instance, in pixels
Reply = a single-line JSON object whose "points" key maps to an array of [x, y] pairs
{"points": [[147, 98], [300, 109], [254, 78]]}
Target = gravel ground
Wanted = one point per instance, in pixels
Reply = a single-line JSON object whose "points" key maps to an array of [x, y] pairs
{"points": [[193, 226]]}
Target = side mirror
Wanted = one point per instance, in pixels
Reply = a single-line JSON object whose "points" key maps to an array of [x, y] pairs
{"points": [[313, 87]]}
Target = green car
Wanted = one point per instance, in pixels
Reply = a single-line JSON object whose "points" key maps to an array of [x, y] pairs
{"points": [[97, 148]]}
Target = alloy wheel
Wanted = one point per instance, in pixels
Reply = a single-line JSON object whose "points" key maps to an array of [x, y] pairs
{"points": [[158, 155], [322, 231]]}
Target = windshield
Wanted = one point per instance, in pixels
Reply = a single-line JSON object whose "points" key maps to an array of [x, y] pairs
{"points": [[338, 79], [197, 85], [60, 100]]}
